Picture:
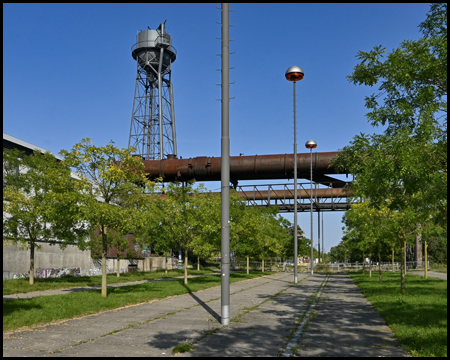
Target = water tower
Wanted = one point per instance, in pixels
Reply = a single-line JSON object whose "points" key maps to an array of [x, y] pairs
{"points": [[152, 130]]}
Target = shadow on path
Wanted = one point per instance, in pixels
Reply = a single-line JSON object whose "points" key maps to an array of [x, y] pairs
{"points": [[203, 304]]}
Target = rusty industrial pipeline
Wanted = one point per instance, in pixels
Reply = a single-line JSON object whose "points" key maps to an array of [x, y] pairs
{"points": [[255, 167]]}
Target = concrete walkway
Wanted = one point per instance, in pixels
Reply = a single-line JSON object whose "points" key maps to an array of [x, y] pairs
{"points": [[264, 313], [435, 274], [346, 324]]}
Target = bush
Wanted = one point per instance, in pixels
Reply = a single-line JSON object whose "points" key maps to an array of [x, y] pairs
{"points": [[322, 268]]}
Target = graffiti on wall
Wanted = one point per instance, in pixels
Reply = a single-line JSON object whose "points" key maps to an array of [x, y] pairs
{"points": [[44, 273], [98, 271]]}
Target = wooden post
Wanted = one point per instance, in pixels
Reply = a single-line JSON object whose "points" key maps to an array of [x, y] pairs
{"points": [[364, 264]]}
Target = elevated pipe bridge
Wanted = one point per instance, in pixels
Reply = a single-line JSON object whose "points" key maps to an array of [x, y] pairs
{"points": [[331, 196], [324, 199]]}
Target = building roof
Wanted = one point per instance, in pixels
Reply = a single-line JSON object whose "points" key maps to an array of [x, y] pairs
{"points": [[11, 142]]}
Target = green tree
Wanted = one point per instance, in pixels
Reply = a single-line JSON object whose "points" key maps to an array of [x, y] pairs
{"points": [[37, 190], [338, 253], [257, 232], [412, 79], [373, 230], [115, 189], [180, 222], [405, 168], [303, 245], [152, 233], [244, 230], [273, 235], [207, 240]]}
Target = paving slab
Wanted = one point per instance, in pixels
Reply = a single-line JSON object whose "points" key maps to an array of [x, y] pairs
{"points": [[158, 325], [263, 331], [264, 312], [346, 324]]}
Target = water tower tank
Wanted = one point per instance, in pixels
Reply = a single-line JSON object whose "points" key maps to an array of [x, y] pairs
{"points": [[147, 49], [152, 130]]}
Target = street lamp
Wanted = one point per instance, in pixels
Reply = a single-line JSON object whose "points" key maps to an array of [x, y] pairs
{"points": [[311, 144], [295, 73]]}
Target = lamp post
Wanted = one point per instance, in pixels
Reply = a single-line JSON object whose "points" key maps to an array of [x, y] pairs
{"points": [[311, 144], [295, 73], [225, 170]]}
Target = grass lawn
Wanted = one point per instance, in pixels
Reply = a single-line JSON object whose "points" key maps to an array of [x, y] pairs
{"points": [[18, 286], [418, 318], [44, 309]]}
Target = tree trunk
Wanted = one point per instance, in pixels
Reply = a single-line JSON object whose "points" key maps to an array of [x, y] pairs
{"points": [[426, 261], [393, 269], [262, 265], [118, 264], [403, 267], [247, 265], [32, 247], [370, 264], [364, 264], [379, 262], [198, 263], [185, 265], [104, 250]]}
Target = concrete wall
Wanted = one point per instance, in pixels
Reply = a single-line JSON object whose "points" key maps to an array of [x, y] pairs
{"points": [[17, 261], [155, 263], [143, 264]]}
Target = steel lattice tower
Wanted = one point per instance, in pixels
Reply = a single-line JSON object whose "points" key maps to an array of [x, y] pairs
{"points": [[152, 130]]}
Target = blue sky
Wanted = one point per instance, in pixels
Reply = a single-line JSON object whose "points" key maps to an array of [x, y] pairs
{"points": [[68, 73]]}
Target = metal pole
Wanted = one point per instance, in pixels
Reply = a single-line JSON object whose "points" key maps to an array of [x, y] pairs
{"points": [[134, 102], [295, 192], [225, 170], [172, 112], [160, 106], [312, 243], [318, 231], [323, 248]]}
